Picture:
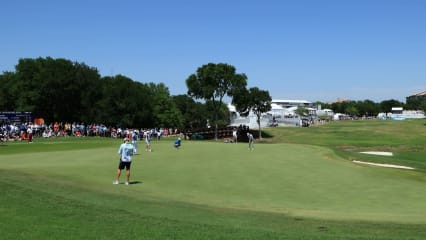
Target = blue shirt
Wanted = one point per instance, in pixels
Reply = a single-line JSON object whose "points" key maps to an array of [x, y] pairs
{"points": [[126, 150]]}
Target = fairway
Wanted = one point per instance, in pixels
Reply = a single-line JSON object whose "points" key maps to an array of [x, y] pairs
{"points": [[293, 179], [214, 183]]}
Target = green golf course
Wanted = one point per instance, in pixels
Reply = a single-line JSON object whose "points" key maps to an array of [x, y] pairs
{"points": [[298, 183]]}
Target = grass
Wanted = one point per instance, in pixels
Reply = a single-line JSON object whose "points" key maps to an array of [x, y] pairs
{"points": [[302, 185], [406, 139]]}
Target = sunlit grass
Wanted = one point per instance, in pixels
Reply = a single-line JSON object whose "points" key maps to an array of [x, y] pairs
{"points": [[301, 185]]}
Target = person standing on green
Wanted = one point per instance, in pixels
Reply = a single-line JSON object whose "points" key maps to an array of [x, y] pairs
{"points": [[250, 140], [126, 152], [234, 135]]}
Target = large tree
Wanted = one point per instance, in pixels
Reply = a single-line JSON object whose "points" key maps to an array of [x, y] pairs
{"points": [[212, 82], [124, 102], [194, 113], [56, 89], [387, 105], [8, 92], [254, 99], [165, 112], [368, 108], [416, 104]]}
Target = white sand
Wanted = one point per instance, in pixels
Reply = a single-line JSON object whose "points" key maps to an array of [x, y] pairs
{"points": [[384, 165], [379, 153]]}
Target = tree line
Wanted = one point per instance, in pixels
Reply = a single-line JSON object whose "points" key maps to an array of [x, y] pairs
{"points": [[370, 108], [60, 90]]}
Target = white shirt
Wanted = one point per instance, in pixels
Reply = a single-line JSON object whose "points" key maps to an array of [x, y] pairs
{"points": [[126, 150]]}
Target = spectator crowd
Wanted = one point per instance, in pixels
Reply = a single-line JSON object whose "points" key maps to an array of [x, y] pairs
{"points": [[24, 131]]}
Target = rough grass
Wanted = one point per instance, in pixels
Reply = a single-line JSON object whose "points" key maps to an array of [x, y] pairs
{"points": [[406, 139]]}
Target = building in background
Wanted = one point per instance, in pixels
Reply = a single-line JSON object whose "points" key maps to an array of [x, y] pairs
{"points": [[417, 96], [282, 113]]}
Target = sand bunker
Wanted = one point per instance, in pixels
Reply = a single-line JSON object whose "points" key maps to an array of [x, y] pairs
{"points": [[384, 165], [379, 153]]}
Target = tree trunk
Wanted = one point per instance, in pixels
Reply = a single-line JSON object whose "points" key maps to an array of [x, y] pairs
{"points": [[260, 131], [215, 125]]}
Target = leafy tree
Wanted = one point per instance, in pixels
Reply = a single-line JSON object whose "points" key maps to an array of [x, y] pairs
{"points": [[323, 105], [63, 91], [165, 112], [87, 92], [255, 100], [347, 107], [301, 111], [338, 107], [367, 108], [423, 105], [212, 82], [8, 91], [124, 102], [194, 113], [27, 85], [53, 88], [351, 109], [416, 104], [386, 106], [223, 113]]}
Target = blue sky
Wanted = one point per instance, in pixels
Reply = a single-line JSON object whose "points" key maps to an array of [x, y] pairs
{"points": [[316, 50]]}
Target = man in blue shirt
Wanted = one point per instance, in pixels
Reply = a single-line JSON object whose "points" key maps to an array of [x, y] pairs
{"points": [[176, 144], [135, 140], [126, 152]]}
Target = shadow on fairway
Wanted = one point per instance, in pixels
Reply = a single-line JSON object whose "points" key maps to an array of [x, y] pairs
{"points": [[135, 182]]}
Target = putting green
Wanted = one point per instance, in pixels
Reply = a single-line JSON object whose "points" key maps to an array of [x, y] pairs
{"points": [[299, 180]]}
